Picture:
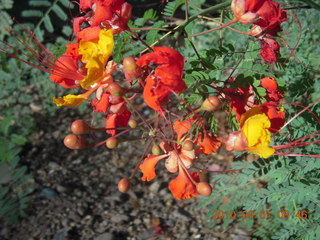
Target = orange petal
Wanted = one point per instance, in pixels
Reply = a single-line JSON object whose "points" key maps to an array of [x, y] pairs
{"points": [[207, 144], [181, 128], [182, 187], [148, 166]]}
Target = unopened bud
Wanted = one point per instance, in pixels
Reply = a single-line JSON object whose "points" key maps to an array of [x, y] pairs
{"points": [[124, 185], [132, 70], [132, 123], [187, 145], [80, 127], [75, 141], [115, 89], [211, 104], [156, 150], [112, 142], [204, 189]]}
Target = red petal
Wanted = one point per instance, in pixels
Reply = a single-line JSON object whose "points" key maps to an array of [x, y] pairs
{"points": [[272, 89], [182, 187], [101, 105], [181, 128], [207, 144], [270, 50], [148, 166]]}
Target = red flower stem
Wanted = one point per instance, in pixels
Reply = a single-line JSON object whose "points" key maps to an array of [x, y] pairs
{"points": [[297, 155], [294, 145], [141, 159], [105, 129], [299, 37], [214, 29], [227, 171], [140, 116], [299, 113]]}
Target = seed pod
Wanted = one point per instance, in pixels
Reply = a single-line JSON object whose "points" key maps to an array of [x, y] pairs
{"points": [[204, 189], [132, 123], [115, 89], [112, 142], [80, 127], [211, 104], [75, 141], [187, 145], [124, 185]]}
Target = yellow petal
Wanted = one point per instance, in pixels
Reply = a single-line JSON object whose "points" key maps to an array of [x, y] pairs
{"points": [[70, 100], [255, 127], [262, 151], [96, 54]]}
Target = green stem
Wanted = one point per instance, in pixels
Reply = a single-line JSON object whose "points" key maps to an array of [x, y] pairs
{"points": [[206, 11], [312, 4]]}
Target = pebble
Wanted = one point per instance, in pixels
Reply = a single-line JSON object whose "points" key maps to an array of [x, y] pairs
{"points": [[48, 193], [104, 236]]}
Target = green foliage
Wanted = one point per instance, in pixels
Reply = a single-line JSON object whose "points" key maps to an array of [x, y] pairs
{"points": [[44, 18], [14, 185], [171, 7], [5, 19], [15, 189]]}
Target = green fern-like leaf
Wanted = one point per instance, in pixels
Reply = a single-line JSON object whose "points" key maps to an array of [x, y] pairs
{"points": [[171, 7]]}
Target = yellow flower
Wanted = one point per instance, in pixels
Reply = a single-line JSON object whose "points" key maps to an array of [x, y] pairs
{"points": [[70, 100], [96, 54], [255, 126]]}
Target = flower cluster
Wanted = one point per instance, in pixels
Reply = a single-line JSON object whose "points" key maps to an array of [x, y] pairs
{"points": [[266, 16], [181, 138]]}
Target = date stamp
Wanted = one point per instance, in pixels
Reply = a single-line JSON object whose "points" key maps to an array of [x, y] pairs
{"points": [[281, 214]]}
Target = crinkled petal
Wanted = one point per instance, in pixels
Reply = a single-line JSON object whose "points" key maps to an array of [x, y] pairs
{"points": [[207, 144], [70, 100], [148, 166], [182, 187]]}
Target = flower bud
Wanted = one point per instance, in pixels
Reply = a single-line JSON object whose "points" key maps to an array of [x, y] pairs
{"points": [[240, 12], [132, 70], [112, 142], [125, 14], [75, 141], [204, 189], [124, 185], [115, 89], [132, 123], [238, 7], [187, 145], [156, 149], [80, 127], [211, 104]]}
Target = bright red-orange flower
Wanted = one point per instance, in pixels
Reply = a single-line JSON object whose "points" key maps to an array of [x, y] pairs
{"points": [[272, 89], [167, 77], [182, 187], [241, 99], [264, 13], [109, 14], [206, 143], [270, 50], [117, 120]]}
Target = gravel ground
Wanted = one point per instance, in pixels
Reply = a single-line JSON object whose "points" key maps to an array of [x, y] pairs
{"points": [[76, 195]]}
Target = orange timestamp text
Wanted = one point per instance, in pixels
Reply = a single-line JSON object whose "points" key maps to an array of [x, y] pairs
{"points": [[282, 214]]}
